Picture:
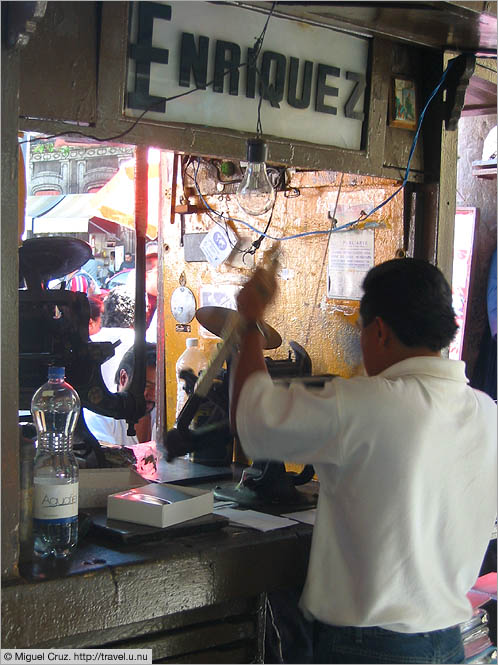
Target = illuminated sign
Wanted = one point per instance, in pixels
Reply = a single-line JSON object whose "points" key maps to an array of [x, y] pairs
{"points": [[312, 79]]}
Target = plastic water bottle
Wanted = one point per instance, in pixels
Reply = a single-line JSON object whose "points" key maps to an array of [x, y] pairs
{"points": [[55, 407], [192, 358]]}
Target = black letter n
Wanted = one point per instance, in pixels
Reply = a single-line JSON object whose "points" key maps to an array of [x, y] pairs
{"points": [[193, 60]]}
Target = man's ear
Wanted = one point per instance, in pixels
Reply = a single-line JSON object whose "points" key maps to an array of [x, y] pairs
{"points": [[123, 378], [384, 331]]}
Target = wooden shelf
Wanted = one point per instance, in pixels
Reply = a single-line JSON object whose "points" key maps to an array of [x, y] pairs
{"points": [[485, 169]]}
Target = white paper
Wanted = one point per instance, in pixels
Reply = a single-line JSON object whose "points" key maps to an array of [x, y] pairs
{"points": [[217, 295], [306, 516], [350, 257], [218, 244], [254, 519]]}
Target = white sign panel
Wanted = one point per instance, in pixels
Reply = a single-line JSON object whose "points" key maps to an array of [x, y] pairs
{"points": [[313, 78], [351, 255], [217, 295]]}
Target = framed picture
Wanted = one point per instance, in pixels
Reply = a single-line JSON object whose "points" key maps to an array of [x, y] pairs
{"points": [[403, 110]]}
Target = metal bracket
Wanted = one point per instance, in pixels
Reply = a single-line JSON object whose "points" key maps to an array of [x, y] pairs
{"points": [[457, 81]]}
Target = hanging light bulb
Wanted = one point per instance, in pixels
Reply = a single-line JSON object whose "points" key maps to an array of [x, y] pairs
{"points": [[255, 193]]}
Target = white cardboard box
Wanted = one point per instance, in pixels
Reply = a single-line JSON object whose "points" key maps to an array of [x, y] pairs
{"points": [[95, 485], [159, 505], [218, 244]]}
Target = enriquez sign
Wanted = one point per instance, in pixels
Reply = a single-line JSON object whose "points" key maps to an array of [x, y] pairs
{"points": [[314, 77]]}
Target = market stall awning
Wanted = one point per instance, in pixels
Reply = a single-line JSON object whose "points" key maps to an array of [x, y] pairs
{"points": [[39, 205], [99, 225], [71, 213], [114, 203], [116, 199]]}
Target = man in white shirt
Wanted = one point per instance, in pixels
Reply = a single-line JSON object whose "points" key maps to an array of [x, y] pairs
{"points": [[118, 319], [109, 430], [406, 459]]}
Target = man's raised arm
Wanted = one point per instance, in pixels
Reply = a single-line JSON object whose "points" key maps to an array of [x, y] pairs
{"points": [[251, 303]]}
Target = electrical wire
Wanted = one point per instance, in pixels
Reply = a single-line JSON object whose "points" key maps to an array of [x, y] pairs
{"points": [[363, 217], [490, 69], [332, 224], [162, 100], [91, 136], [263, 234], [262, 87], [257, 243], [257, 49], [258, 45], [210, 211]]}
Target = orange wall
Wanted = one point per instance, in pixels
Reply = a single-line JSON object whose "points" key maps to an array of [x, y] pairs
{"points": [[302, 312]]}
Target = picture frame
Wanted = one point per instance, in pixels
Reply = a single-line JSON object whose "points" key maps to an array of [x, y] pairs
{"points": [[403, 110]]}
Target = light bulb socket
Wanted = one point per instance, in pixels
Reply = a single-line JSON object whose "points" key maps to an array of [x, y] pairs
{"points": [[256, 151]]}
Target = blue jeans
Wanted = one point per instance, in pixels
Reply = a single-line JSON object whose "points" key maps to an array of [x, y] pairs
{"points": [[344, 644]]}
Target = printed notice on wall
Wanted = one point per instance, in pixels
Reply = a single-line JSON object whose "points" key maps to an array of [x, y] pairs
{"points": [[351, 255]]}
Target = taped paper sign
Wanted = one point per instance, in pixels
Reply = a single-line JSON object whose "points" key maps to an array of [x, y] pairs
{"points": [[351, 255]]}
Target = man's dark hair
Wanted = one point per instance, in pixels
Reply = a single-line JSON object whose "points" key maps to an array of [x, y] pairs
{"points": [[414, 299], [128, 360], [119, 309]]}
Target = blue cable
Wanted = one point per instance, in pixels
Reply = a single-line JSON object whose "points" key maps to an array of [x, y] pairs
{"points": [[349, 224]]}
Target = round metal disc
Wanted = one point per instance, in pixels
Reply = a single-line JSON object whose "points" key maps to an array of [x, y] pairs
{"points": [[183, 304], [214, 318]]}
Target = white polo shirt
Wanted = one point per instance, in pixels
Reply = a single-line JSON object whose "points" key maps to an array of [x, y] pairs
{"points": [[109, 368], [407, 467], [109, 430]]}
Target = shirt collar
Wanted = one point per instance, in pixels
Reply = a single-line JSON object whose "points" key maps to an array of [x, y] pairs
{"points": [[438, 367]]}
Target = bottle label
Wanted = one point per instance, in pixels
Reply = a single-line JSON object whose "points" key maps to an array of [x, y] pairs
{"points": [[55, 502], [63, 520]]}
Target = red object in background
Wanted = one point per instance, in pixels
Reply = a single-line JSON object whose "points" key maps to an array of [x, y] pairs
{"points": [[486, 584], [120, 278], [47, 192], [78, 283], [483, 590]]}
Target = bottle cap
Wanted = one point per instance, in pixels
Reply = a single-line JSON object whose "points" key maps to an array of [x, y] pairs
{"points": [[56, 372], [192, 341]]}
